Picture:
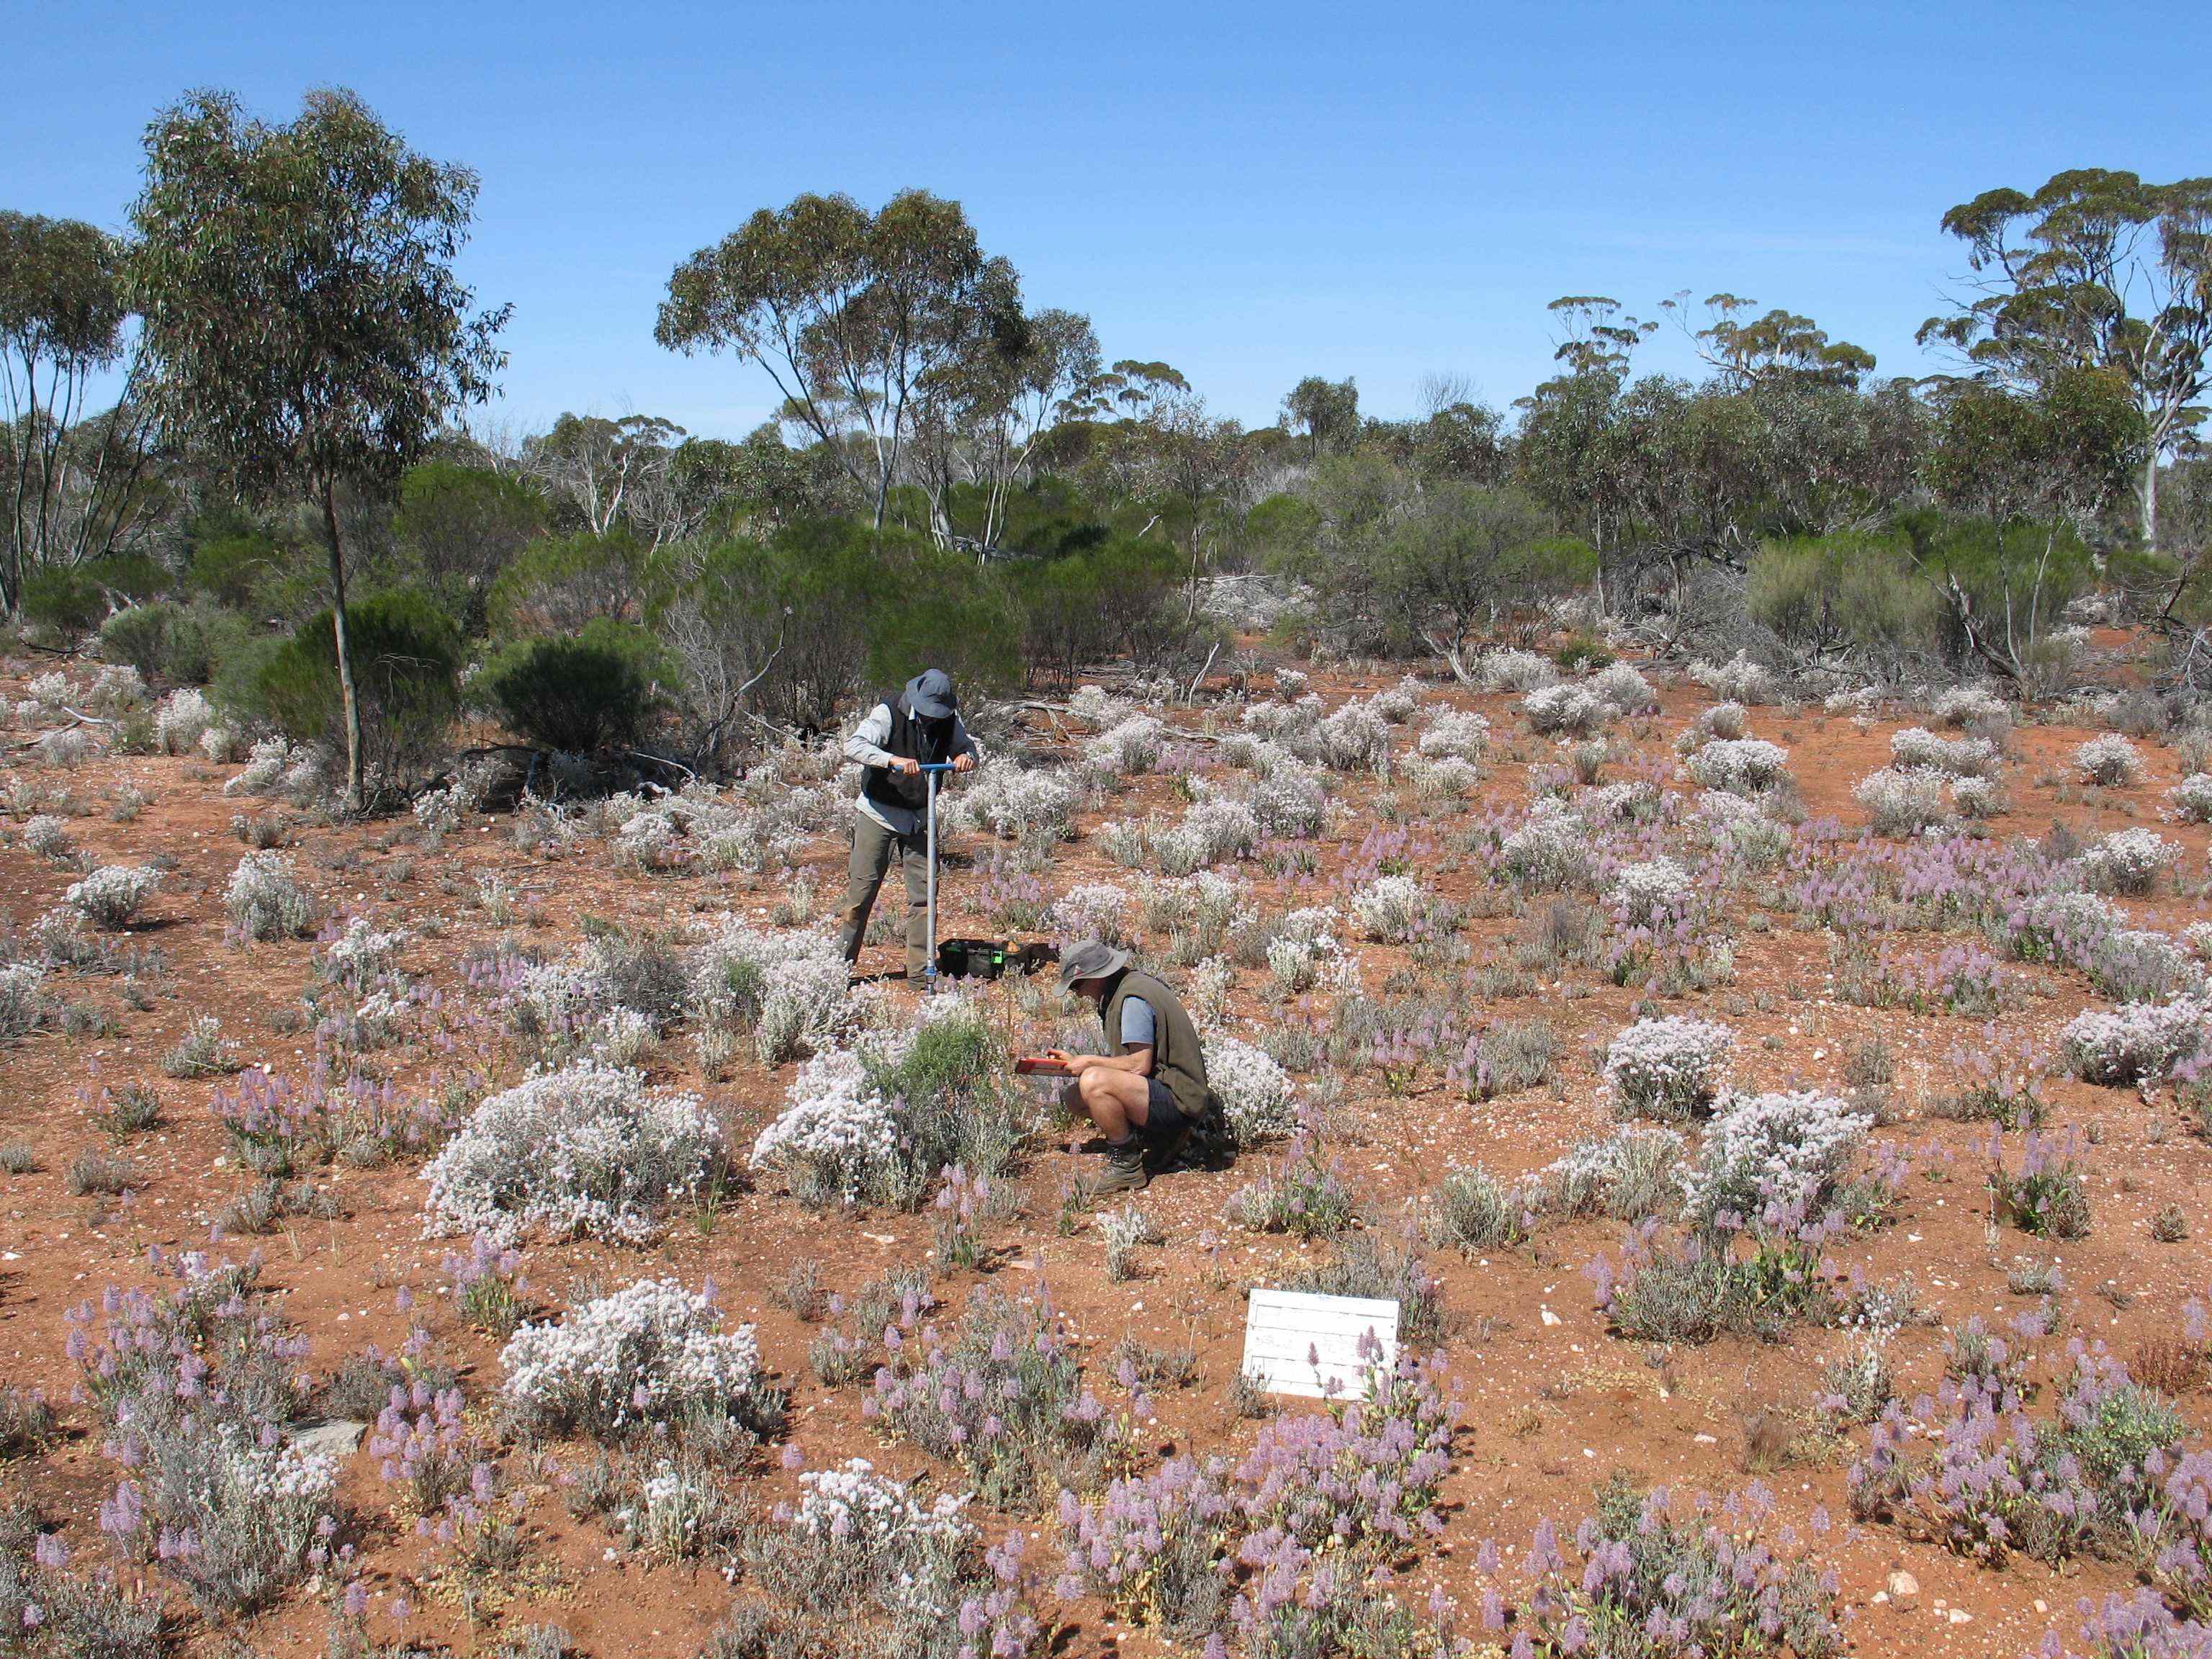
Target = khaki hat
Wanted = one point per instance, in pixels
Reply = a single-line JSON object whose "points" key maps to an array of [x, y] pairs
{"points": [[1091, 959]]}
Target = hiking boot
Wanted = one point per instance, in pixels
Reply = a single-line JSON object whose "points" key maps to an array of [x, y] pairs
{"points": [[1125, 1170]]}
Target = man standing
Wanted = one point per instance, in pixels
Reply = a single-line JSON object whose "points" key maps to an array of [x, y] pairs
{"points": [[1148, 1091], [907, 730]]}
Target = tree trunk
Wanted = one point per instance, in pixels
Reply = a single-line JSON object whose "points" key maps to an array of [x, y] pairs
{"points": [[348, 701], [2147, 499]]}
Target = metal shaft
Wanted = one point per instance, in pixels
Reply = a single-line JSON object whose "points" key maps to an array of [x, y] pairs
{"points": [[929, 973]]}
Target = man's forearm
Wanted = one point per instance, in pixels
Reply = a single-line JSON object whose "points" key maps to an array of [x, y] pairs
{"points": [[863, 746], [1138, 1061]]}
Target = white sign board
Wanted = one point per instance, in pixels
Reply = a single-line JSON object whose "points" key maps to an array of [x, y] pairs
{"points": [[1297, 1343]]}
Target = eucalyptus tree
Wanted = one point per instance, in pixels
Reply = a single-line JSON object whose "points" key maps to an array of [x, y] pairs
{"points": [[1325, 411], [1467, 561], [849, 313], [984, 414], [611, 472], [1777, 346], [77, 486], [2096, 270], [306, 331], [2036, 472]]}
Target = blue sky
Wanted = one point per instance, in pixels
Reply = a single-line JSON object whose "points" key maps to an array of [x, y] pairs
{"points": [[1251, 193]]}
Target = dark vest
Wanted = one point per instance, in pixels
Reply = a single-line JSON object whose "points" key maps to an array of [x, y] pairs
{"points": [[912, 740], [1178, 1058]]}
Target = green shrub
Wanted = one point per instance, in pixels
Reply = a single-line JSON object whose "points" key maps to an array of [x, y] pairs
{"points": [[595, 691], [1847, 591], [459, 527], [238, 570], [407, 667], [172, 644], [561, 584], [1582, 650], [63, 600]]}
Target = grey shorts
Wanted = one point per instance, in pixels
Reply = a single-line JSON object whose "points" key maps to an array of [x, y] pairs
{"points": [[1163, 1119]]}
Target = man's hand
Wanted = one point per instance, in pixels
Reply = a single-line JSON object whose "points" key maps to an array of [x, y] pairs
{"points": [[1073, 1065], [906, 764], [963, 763]]}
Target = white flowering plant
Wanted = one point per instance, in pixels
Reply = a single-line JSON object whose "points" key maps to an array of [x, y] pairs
{"points": [[1447, 777], [1257, 1095], [1014, 803], [1737, 680], [1630, 1175], [1205, 908], [1916, 747], [2110, 760], [880, 1121], [264, 900], [651, 1355], [1097, 707], [1736, 826], [1623, 689], [1128, 748], [863, 1510], [264, 767], [52, 690], [2190, 800], [1390, 908], [1510, 669], [359, 954], [111, 896], [790, 988], [2137, 1042], [1303, 947], [1214, 830], [2126, 861], [181, 718], [1904, 803], [1455, 734], [1773, 1160], [836, 1138], [1288, 802], [1668, 1067], [1972, 705], [1399, 704], [1096, 910], [1643, 891], [586, 1151], [1574, 709], [47, 835], [69, 746], [23, 1000], [1740, 766], [1550, 849], [1355, 739]]}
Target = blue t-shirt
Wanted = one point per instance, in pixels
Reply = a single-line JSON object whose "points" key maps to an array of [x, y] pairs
{"points": [[1139, 1023]]}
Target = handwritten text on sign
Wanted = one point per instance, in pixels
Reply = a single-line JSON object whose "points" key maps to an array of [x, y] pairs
{"points": [[1296, 1343]]}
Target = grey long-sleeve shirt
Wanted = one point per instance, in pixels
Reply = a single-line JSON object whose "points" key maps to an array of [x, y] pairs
{"points": [[865, 747]]}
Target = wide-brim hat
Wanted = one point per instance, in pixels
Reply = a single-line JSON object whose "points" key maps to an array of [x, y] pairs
{"points": [[1091, 959], [930, 695]]}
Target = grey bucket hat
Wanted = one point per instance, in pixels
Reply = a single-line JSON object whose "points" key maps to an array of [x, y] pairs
{"points": [[930, 695], [1090, 960]]}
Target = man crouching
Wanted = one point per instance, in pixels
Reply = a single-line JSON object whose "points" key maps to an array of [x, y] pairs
{"points": [[1148, 1092]]}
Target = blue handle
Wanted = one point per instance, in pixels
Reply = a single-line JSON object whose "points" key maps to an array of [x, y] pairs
{"points": [[937, 766]]}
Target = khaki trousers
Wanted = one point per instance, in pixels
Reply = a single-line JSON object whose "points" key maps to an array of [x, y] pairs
{"points": [[873, 849]]}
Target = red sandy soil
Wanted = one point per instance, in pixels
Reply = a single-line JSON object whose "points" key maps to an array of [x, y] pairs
{"points": [[1551, 1408]]}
